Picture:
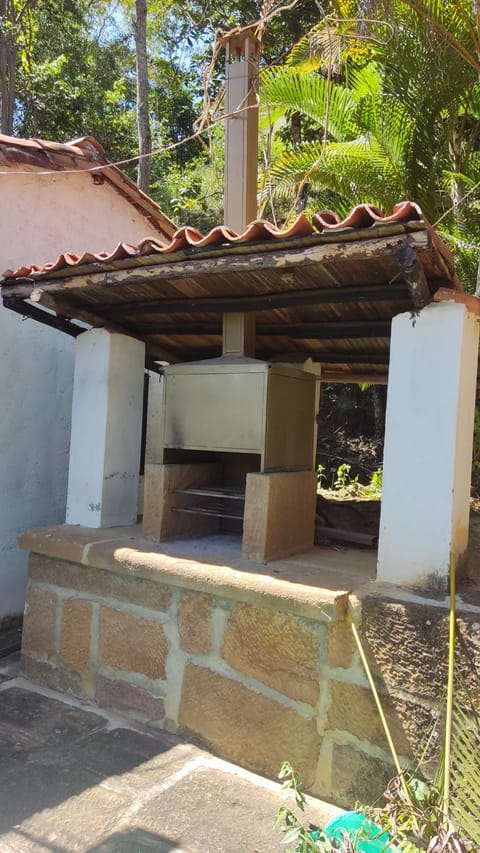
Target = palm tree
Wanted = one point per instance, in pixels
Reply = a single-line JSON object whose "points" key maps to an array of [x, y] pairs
{"points": [[390, 112]]}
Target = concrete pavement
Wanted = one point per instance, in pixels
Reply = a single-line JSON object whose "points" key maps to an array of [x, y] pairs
{"points": [[73, 778]]}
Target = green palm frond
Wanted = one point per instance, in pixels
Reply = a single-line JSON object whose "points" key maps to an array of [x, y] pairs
{"points": [[387, 120], [329, 44], [293, 166], [390, 129], [421, 68], [357, 170], [310, 95], [365, 80], [362, 171], [454, 22]]}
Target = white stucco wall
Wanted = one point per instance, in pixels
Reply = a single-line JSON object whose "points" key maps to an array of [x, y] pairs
{"points": [[35, 395], [41, 217]]}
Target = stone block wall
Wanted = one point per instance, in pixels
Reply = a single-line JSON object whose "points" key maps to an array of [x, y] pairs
{"points": [[406, 640], [256, 680], [257, 685]]}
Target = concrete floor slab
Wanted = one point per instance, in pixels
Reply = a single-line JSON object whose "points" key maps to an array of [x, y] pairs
{"points": [[214, 809], [131, 760], [38, 720], [73, 779], [9, 666]]}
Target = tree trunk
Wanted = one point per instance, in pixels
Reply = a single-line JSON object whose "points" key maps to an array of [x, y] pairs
{"points": [[143, 117], [458, 186], [378, 400], [8, 59]]}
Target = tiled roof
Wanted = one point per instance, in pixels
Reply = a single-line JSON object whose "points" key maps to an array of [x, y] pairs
{"points": [[57, 156], [365, 220], [326, 289], [32, 155]]}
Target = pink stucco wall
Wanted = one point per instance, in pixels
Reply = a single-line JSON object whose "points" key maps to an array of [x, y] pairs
{"points": [[43, 215]]}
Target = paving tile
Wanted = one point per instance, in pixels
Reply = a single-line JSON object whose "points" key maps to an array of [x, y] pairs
{"points": [[210, 810], [136, 841], [132, 760], [28, 717], [77, 823], [10, 640], [70, 784], [18, 842], [33, 787]]}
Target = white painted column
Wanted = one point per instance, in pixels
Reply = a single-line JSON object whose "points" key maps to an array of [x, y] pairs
{"points": [[428, 445], [106, 429]]}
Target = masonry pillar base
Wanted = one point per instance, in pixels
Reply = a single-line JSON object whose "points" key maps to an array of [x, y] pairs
{"points": [[106, 429], [428, 445], [279, 514], [163, 502]]}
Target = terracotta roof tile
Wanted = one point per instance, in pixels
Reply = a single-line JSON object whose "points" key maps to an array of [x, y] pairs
{"points": [[40, 153], [365, 215], [80, 155], [361, 219]]}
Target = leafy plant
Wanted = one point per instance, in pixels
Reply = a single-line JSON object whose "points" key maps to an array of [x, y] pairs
{"points": [[376, 483], [343, 479], [305, 839], [362, 832], [344, 484], [321, 475]]}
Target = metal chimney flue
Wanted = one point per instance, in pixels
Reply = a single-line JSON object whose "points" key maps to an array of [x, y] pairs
{"points": [[241, 167], [241, 130]]}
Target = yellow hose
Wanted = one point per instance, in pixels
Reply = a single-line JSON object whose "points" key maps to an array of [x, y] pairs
{"points": [[449, 709], [380, 709]]}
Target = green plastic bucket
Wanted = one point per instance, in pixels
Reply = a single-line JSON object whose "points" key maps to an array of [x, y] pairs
{"points": [[368, 836]]}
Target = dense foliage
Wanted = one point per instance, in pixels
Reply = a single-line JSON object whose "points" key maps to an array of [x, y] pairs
{"points": [[385, 107]]}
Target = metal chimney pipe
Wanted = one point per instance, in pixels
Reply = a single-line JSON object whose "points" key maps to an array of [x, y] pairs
{"points": [[241, 130], [241, 167]]}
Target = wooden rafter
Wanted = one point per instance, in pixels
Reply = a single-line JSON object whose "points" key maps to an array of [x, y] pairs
{"points": [[258, 302], [317, 330]]}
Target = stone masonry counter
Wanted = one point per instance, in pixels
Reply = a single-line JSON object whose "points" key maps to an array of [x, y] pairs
{"points": [[256, 662]]}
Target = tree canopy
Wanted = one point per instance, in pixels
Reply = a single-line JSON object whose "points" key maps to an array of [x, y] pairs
{"points": [[362, 100]]}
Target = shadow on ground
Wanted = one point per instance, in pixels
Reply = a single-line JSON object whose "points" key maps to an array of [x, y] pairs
{"points": [[54, 762], [73, 780], [130, 841]]}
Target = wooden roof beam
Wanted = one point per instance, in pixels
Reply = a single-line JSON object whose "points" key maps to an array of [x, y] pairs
{"points": [[366, 359], [41, 316], [60, 321], [414, 275], [258, 302], [333, 376], [301, 331]]}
